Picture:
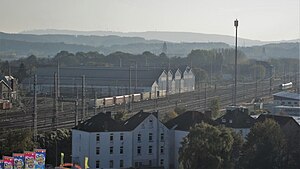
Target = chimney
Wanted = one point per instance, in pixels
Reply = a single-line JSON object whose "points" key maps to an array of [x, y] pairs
{"points": [[155, 114]]}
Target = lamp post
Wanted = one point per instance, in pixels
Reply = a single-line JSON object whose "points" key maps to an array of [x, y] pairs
{"points": [[236, 22]]}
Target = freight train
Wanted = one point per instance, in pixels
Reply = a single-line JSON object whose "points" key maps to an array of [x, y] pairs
{"points": [[124, 99]]}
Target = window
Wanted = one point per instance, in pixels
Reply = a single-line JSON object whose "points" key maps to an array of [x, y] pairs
{"points": [[150, 123], [162, 137], [111, 150], [111, 164], [161, 149], [139, 150], [150, 162], [282, 103], [150, 150], [150, 137], [139, 137], [121, 150], [230, 121], [98, 137], [289, 102], [223, 120], [121, 137], [97, 150], [97, 164], [161, 162], [111, 138], [121, 163]]}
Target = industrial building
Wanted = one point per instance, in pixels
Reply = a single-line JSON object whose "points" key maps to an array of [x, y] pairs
{"points": [[113, 81]]}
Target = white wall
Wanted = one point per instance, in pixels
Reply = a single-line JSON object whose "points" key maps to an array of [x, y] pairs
{"points": [[150, 125], [177, 139]]}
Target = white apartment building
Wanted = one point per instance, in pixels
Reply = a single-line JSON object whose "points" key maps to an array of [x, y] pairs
{"points": [[142, 140]]}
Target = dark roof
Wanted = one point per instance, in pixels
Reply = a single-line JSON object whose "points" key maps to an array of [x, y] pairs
{"points": [[100, 123], [135, 120], [98, 76], [104, 123], [236, 118], [281, 120], [287, 95], [2, 78], [187, 120]]}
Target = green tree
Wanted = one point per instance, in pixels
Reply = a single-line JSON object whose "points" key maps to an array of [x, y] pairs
{"points": [[206, 147], [56, 142], [265, 147], [16, 141], [215, 107]]}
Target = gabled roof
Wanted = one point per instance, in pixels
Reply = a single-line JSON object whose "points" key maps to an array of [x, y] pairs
{"points": [[187, 120], [3, 78], [287, 95], [100, 123], [281, 120], [104, 123], [135, 120], [236, 118]]}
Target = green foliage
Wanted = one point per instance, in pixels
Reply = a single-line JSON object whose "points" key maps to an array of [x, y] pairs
{"points": [[215, 107], [169, 115], [206, 147], [56, 142], [16, 141], [179, 110], [265, 147]]}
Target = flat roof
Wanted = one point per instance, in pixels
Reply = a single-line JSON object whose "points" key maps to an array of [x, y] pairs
{"points": [[288, 95]]}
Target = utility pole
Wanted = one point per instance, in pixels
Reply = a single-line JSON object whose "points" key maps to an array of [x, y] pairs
{"points": [[95, 103], [235, 62], [129, 88], [55, 103], [83, 98], [34, 109], [76, 108], [58, 80], [205, 96]]}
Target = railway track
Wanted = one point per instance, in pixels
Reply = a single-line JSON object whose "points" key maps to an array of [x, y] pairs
{"points": [[190, 101]]}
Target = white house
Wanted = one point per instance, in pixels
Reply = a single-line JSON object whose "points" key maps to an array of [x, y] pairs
{"points": [[142, 140], [237, 118], [179, 128]]}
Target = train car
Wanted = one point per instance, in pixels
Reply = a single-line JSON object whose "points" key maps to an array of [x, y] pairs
{"points": [[126, 98], [109, 101], [286, 86], [145, 96], [136, 97], [99, 102], [119, 100]]}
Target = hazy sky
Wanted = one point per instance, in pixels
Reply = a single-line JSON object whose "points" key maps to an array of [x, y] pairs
{"points": [[259, 19]]}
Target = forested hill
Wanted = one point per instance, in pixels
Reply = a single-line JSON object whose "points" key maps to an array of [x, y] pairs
{"points": [[18, 45]]}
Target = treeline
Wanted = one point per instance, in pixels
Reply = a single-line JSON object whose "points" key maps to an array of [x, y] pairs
{"points": [[207, 64], [217, 147]]}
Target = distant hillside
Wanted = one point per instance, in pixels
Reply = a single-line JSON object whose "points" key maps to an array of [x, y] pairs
{"points": [[90, 40], [175, 37], [48, 45], [275, 50], [23, 48]]}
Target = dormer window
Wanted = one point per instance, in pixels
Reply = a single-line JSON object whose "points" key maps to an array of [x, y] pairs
{"points": [[230, 121], [223, 120]]}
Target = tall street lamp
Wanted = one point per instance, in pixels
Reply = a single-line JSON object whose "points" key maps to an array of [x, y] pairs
{"points": [[236, 22]]}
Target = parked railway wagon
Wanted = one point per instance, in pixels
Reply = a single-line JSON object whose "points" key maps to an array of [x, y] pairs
{"points": [[119, 99], [99, 102], [136, 97], [286, 86], [109, 101]]}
